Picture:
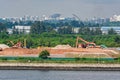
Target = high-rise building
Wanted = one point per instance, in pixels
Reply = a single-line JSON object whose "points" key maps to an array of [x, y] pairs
{"points": [[115, 18]]}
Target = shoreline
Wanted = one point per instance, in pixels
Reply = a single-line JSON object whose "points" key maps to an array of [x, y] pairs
{"points": [[58, 66]]}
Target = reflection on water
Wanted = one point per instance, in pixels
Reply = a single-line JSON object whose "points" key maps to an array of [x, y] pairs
{"points": [[58, 75]]}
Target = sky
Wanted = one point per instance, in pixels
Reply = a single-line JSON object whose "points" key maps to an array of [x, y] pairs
{"points": [[84, 9]]}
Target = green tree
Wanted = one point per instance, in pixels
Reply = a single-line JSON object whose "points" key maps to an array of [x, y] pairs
{"points": [[29, 42], [3, 28], [92, 32], [65, 30], [44, 54], [15, 31], [75, 23], [49, 29], [117, 39], [98, 31], [88, 31], [84, 31], [4, 35], [38, 28], [111, 31]]}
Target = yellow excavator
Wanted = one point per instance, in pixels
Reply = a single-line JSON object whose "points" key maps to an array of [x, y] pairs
{"points": [[17, 45], [86, 45]]}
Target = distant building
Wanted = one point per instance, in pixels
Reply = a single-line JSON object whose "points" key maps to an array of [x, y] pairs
{"points": [[24, 29], [30, 18], [105, 29], [10, 31], [76, 30], [99, 20], [115, 18]]}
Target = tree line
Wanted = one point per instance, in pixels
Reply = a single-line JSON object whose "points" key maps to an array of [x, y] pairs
{"points": [[40, 27], [42, 35]]}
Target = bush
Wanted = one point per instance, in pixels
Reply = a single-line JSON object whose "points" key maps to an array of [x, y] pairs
{"points": [[77, 58], [3, 58], [44, 54]]}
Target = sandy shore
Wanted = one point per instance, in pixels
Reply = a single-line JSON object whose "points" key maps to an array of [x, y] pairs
{"points": [[56, 66]]}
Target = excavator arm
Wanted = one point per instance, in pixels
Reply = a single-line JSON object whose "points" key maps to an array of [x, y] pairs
{"points": [[87, 43], [18, 44]]}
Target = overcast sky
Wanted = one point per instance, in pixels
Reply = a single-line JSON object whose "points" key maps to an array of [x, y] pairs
{"points": [[82, 8]]}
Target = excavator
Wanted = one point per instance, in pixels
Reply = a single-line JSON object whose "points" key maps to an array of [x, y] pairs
{"points": [[86, 45], [17, 45]]}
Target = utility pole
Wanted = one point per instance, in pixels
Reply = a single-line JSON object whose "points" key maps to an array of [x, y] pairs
{"points": [[25, 43]]}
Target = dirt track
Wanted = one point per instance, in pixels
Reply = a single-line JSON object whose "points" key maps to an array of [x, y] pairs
{"points": [[70, 52]]}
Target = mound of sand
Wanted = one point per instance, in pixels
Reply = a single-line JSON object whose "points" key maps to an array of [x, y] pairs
{"points": [[62, 47], [3, 46]]}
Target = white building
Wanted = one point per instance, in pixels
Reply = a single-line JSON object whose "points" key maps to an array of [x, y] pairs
{"points": [[115, 18], [105, 29], [10, 31], [76, 30], [25, 29]]}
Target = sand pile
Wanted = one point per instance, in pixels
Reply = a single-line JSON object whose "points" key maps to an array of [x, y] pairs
{"points": [[62, 47], [3, 46]]}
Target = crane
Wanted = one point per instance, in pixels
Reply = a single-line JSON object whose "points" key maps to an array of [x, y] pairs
{"points": [[76, 17]]}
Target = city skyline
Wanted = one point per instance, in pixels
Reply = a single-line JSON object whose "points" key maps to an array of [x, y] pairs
{"points": [[82, 8]]}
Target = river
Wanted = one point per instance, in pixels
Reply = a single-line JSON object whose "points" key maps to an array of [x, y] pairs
{"points": [[58, 75]]}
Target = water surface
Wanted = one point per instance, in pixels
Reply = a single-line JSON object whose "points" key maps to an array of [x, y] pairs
{"points": [[58, 75]]}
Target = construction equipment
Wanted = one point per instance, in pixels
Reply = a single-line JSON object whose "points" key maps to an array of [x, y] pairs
{"points": [[17, 45], [25, 43], [1, 49], [87, 44], [11, 42], [76, 17]]}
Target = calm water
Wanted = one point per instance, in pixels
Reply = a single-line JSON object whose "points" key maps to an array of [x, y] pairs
{"points": [[58, 75]]}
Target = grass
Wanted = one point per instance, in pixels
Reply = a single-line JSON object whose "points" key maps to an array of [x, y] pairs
{"points": [[59, 60]]}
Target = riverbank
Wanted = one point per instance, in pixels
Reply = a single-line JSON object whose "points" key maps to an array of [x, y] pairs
{"points": [[58, 66]]}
